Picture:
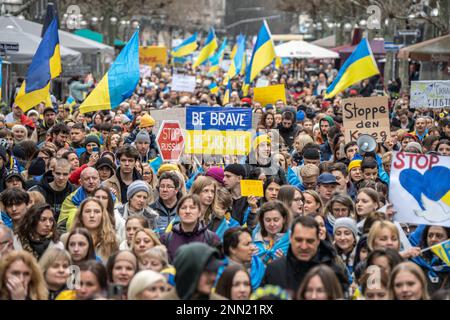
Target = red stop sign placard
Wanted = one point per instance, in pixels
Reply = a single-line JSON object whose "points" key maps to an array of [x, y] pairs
{"points": [[170, 140]]}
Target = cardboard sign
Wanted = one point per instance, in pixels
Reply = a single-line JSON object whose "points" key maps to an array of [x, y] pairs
{"points": [[270, 94], [153, 55], [419, 188], [366, 116], [183, 83], [430, 94], [252, 188], [211, 130]]}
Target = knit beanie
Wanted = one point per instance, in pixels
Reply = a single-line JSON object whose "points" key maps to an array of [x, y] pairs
{"points": [[311, 153], [37, 167], [19, 152], [92, 138], [216, 173], [142, 136], [147, 121], [236, 169], [105, 162], [348, 223], [354, 164], [167, 167], [260, 139], [414, 145], [135, 187]]}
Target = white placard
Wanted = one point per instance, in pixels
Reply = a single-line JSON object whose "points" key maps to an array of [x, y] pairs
{"points": [[183, 83], [430, 94]]}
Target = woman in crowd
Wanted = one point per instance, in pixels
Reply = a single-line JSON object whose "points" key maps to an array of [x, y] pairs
{"points": [[80, 246], [93, 216], [221, 219], [320, 283], [37, 232], [292, 197], [339, 206], [205, 188], [155, 259], [272, 239], [93, 280], [407, 282], [133, 224], [234, 283], [55, 265], [147, 285], [345, 237], [121, 267], [143, 240], [312, 203], [367, 201], [104, 195], [21, 277]]}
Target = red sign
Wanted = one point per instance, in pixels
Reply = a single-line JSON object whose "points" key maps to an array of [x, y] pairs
{"points": [[170, 140]]}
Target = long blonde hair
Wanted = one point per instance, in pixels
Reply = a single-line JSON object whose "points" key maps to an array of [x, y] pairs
{"points": [[197, 187], [416, 271], [105, 241], [37, 289]]}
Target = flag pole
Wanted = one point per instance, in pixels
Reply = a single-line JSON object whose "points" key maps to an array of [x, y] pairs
{"points": [[429, 248]]}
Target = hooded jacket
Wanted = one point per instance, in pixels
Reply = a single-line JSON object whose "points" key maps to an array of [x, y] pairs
{"points": [[190, 262], [288, 272], [52, 197], [289, 134], [166, 215], [177, 237]]}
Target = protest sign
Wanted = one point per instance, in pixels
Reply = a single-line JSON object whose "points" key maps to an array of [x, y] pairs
{"points": [[183, 83], [252, 188], [430, 94], [366, 116], [153, 55], [270, 94], [419, 188], [212, 130]]}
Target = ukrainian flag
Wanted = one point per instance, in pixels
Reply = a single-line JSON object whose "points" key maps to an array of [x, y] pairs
{"points": [[213, 88], [238, 59], [227, 95], [359, 66], [217, 58], [442, 250], [208, 49], [185, 48], [119, 82], [45, 66], [263, 54]]}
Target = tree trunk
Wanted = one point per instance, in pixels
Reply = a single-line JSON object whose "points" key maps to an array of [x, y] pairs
{"points": [[389, 66]]}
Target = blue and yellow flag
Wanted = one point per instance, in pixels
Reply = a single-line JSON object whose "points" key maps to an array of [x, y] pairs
{"points": [[119, 82], [45, 66], [213, 88], [442, 250], [237, 61], [208, 49], [187, 47], [263, 55], [359, 66], [217, 58], [227, 95]]}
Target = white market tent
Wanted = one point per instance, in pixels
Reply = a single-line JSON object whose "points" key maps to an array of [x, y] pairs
{"points": [[303, 50], [66, 39], [28, 44]]}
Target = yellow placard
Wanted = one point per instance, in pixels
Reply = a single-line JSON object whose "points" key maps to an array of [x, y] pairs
{"points": [[217, 142], [269, 94], [153, 55], [252, 188]]}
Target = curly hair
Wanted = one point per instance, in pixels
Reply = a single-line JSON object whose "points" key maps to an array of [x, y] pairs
{"points": [[27, 227]]}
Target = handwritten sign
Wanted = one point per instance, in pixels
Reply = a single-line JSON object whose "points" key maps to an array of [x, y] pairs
{"points": [[212, 130], [153, 55], [252, 188], [366, 116], [183, 83], [270, 94], [419, 188], [430, 94]]}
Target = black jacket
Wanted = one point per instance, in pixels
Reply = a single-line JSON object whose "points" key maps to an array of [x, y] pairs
{"points": [[289, 134], [52, 197], [288, 272]]}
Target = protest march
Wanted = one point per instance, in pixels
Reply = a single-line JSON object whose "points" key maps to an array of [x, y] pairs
{"points": [[204, 180]]}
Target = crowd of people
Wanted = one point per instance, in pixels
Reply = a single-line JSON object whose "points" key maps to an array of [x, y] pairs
{"points": [[88, 211]]}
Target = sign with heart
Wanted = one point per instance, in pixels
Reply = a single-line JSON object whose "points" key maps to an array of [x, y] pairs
{"points": [[420, 188]]}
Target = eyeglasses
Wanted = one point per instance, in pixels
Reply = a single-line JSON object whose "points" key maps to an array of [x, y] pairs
{"points": [[167, 187]]}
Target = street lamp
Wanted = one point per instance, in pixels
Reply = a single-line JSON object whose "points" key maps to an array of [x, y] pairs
{"points": [[348, 26], [113, 20]]}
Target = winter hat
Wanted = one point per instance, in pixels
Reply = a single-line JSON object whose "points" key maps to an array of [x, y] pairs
{"points": [[105, 162], [414, 145], [32, 112], [135, 187], [37, 167], [311, 153], [300, 115], [354, 164], [260, 139], [19, 152], [237, 169], [348, 223], [216, 173], [147, 121], [142, 136], [92, 138], [167, 167]]}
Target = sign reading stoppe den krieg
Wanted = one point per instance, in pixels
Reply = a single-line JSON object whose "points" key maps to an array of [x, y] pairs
{"points": [[366, 116], [211, 130], [419, 188], [430, 94]]}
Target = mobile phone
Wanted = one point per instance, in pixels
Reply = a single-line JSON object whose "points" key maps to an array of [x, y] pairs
{"points": [[95, 149], [115, 291]]}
